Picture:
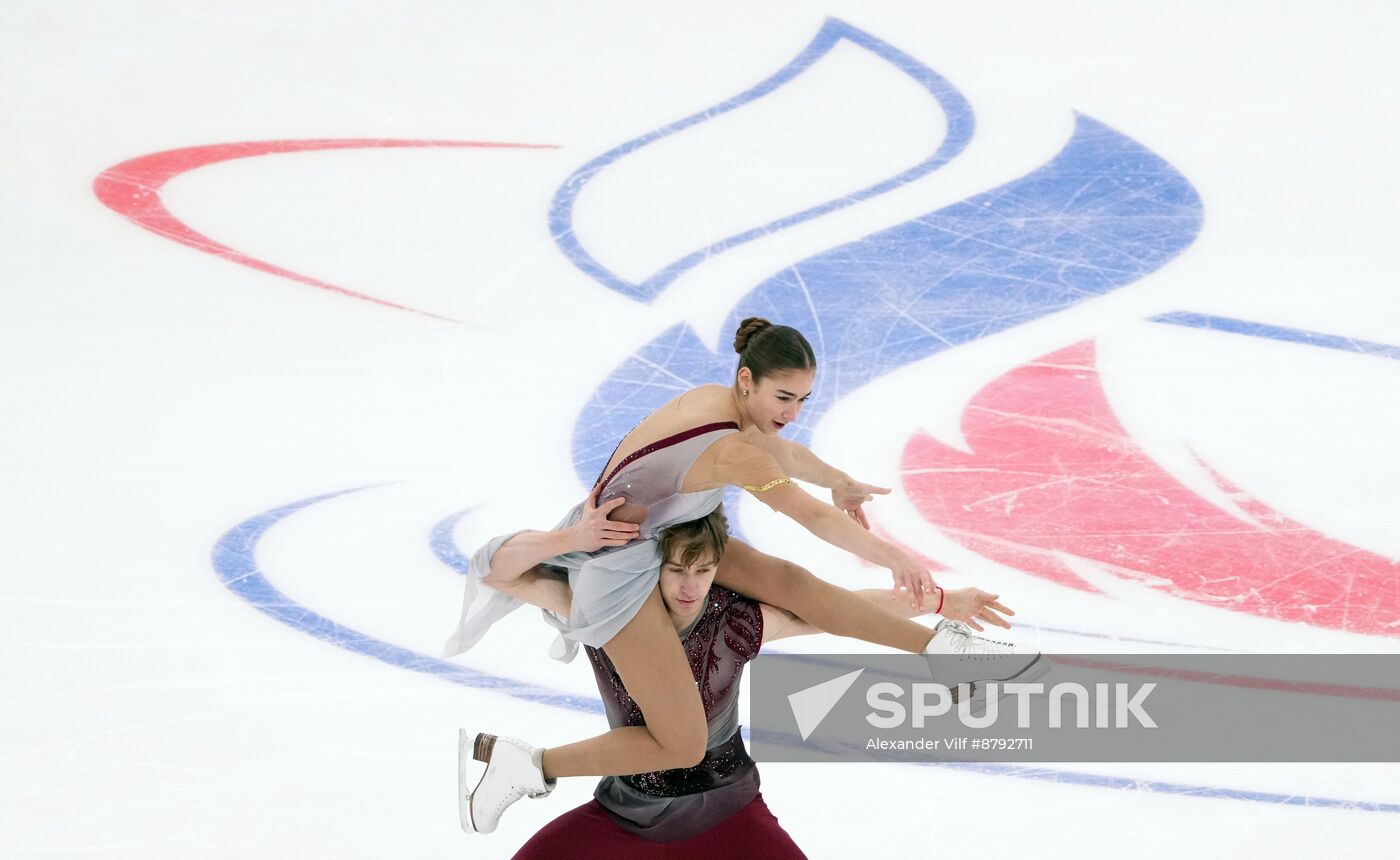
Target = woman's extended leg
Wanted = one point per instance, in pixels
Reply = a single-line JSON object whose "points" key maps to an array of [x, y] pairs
{"points": [[654, 669], [648, 655], [825, 606]]}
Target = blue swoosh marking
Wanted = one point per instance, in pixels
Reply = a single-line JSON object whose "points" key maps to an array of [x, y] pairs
{"points": [[443, 545], [672, 363], [960, 123], [1276, 332], [1103, 213], [233, 560]]}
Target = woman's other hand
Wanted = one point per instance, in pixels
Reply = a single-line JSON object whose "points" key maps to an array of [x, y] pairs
{"points": [[976, 607], [852, 494]]}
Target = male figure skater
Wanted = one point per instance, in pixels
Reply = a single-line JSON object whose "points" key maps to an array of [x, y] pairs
{"points": [[683, 812]]}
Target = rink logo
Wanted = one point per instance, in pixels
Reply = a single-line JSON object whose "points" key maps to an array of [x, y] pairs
{"points": [[931, 700]]}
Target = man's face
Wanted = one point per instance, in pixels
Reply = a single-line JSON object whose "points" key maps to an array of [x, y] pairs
{"points": [[684, 588]]}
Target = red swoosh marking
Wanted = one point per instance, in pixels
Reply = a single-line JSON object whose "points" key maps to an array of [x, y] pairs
{"points": [[1054, 470], [132, 190]]}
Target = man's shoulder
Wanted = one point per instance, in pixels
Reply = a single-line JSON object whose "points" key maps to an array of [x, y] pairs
{"points": [[727, 599], [740, 618], [726, 609]]}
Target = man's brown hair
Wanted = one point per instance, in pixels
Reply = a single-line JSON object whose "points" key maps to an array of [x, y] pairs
{"points": [[702, 539]]}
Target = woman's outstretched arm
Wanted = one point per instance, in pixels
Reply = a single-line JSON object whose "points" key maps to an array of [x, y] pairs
{"points": [[798, 461], [746, 465]]}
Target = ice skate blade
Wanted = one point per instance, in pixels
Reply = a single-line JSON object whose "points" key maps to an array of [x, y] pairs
{"points": [[464, 798]]}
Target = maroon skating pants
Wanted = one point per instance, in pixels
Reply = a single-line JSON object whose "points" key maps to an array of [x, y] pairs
{"points": [[587, 833]]}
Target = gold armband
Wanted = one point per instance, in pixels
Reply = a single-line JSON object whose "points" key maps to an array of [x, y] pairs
{"points": [[766, 487]]}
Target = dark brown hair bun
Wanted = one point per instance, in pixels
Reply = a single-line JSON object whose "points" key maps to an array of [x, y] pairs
{"points": [[747, 329]]}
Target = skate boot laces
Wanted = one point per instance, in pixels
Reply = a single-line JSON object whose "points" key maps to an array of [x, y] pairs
{"points": [[965, 643]]}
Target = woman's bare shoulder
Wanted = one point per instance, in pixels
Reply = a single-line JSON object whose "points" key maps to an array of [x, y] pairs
{"points": [[704, 404], [707, 398], [731, 460], [738, 449]]}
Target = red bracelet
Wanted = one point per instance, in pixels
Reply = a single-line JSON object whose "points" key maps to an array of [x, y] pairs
{"points": [[939, 610]]}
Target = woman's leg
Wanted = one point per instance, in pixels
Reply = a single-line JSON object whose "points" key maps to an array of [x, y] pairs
{"points": [[648, 656], [825, 606]]}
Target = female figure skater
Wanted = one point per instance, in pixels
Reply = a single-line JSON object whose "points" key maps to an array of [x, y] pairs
{"points": [[673, 467]]}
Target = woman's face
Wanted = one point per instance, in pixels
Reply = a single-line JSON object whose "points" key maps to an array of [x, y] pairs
{"points": [[775, 401]]}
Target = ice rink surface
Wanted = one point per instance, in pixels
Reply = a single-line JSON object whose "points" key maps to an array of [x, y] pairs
{"points": [[304, 301]]}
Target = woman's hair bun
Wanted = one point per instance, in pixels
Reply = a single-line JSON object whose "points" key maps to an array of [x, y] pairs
{"points": [[747, 329]]}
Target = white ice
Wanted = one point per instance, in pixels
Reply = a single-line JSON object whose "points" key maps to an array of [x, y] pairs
{"points": [[154, 396]]}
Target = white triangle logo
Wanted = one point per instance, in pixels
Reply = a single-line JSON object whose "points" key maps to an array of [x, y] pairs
{"points": [[810, 706]]}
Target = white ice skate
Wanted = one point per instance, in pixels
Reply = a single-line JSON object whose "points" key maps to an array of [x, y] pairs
{"points": [[957, 656], [513, 771]]}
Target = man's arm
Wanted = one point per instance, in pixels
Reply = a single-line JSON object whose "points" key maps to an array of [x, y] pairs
{"points": [[515, 567], [514, 558], [525, 550], [539, 587], [778, 623]]}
